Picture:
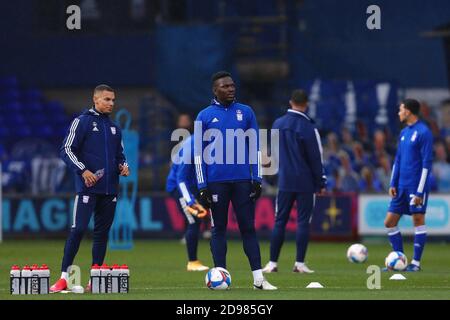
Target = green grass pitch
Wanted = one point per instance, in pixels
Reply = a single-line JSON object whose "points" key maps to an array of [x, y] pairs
{"points": [[158, 267]]}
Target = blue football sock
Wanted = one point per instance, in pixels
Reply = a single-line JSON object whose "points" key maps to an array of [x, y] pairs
{"points": [[192, 240], [419, 241], [395, 237]]}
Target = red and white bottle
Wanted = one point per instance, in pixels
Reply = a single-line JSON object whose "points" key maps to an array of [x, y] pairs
{"points": [[115, 273], [44, 279], [25, 280], [35, 281], [15, 279], [105, 279], [124, 279], [95, 279]]}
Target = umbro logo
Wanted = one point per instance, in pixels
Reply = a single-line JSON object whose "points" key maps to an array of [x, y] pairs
{"points": [[215, 120], [95, 129]]}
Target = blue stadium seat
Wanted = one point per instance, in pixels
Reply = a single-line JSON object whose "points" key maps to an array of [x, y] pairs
{"points": [[36, 119], [58, 119], [8, 82], [33, 107], [23, 131], [9, 95], [54, 106], [14, 120], [13, 107], [43, 131], [32, 95], [61, 130], [4, 132]]}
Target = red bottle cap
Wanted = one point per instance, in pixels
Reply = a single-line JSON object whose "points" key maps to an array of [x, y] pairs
{"points": [[15, 267], [26, 267], [116, 266], [35, 266], [44, 267], [124, 266], [104, 266]]}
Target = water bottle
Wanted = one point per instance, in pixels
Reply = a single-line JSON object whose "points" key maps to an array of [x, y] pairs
{"points": [[95, 279], [35, 281], [115, 278], [44, 279], [15, 279], [124, 279], [105, 276], [25, 283]]}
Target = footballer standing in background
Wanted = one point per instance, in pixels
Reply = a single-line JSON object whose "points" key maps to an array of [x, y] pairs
{"points": [[230, 172], [409, 187], [300, 178], [182, 186]]}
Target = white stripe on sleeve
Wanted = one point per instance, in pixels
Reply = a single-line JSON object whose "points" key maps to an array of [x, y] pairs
{"points": [[185, 192], [259, 164], [392, 174], [189, 216], [68, 145], [199, 169], [423, 179], [319, 143]]}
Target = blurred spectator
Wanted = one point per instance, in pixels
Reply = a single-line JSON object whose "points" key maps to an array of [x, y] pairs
{"points": [[361, 159], [348, 179], [347, 141], [379, 147], [383, 172], [445, 118], [362, 135], [331, 149], [333, 181], [447, 147], [441, 168], [3, 155], [429, 118], [184, 121], [369, 182]]}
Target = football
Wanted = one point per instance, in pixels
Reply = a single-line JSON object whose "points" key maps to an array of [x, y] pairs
{"points": [[396, 261], [218, 279], [357, 253]]}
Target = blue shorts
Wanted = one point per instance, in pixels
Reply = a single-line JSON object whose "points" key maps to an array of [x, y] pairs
{"points": [[402, 203]]}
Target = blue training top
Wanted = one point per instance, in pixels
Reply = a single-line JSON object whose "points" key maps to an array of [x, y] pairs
{"points": [[414, 158], [300, 153], [221, 152], [182, 173], [93, 142]]}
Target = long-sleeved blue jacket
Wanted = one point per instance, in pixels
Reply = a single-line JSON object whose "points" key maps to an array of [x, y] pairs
{"points": [[300, 154], [222, 153], [93, 142]]}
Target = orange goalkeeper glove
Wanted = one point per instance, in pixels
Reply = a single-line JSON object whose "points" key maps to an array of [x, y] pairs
{"points": [[197, 210]]}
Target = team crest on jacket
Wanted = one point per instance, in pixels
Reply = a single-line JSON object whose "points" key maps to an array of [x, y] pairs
{"points": [[113, 130], [239, 115], [94, 124]]}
